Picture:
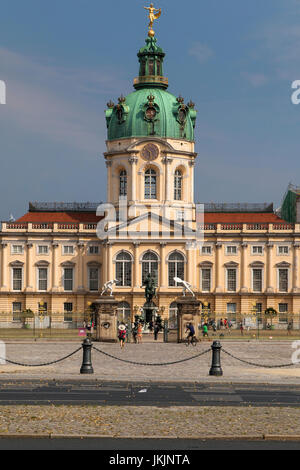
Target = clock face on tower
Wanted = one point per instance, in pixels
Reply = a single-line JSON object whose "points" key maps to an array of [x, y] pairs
{"points": [[150, 152]]}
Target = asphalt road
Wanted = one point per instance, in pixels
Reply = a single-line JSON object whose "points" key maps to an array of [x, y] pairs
{"points": [[146, 448], [42, 392]]}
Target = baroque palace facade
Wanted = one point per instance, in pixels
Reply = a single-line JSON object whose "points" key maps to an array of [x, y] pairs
{"points": [[57, 257]]}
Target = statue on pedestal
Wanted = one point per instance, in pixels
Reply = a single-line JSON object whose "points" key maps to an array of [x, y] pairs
{"points": [[108, 287]]}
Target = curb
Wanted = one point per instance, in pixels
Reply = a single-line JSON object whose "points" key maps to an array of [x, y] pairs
{"points": [[257, 437]]}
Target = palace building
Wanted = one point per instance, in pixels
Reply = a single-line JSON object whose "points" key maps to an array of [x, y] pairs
{"points": [[234, 256]]}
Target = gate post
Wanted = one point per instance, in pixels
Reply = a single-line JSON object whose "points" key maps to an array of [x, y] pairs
{"points": [[166, 331]]}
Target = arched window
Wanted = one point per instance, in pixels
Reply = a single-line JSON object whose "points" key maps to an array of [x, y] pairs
{"points": [[176, 267], [150, 184], [173, 312], [124, 312], [123, 269], [123, 183], [150, 265], [178, 185]]}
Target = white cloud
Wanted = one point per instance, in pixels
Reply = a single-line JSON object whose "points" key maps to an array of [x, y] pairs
{"points": [[54, 102], [201, 51]]}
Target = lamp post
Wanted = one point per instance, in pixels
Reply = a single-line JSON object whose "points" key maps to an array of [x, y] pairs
{"points": [[42, 310]]}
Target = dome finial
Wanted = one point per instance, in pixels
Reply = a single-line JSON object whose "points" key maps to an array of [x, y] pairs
{"points": [[154, 14]]}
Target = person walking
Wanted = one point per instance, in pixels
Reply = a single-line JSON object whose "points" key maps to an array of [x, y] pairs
{"points": [[122, 334], [135, 332], [156, 331], [242, 329], [205, 330], [139, 333]]}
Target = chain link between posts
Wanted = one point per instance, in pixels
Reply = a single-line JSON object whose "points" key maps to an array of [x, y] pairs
{"points": [[258, 365], [152, 363], [43, 364]]}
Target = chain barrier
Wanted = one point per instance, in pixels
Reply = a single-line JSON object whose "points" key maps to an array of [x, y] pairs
{"points": [[151, 363], [257, 365], [41, 365]]}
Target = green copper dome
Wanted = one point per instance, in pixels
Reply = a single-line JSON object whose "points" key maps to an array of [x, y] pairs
{"points": [[151, 110]]}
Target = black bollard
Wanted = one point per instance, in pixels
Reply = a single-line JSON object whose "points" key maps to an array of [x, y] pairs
{"points": [[87, 367], [216, 359]]}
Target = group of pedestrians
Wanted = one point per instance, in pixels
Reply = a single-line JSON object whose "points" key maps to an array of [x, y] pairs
{"points": [[137, 331]]}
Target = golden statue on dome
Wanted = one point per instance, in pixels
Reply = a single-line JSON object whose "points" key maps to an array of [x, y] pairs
{"points": [[154, 14]]}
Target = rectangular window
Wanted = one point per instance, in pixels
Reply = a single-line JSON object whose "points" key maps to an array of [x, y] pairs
{"points": [[68, 312], [231, 308], [257, 250], [259, 307], [283, 250], [43, 249], [231, 280], [283, 275], [257, 280], [205, 280], [94, 279], [93, 250], [17, 249], [42, 279], [206, 250], [17, 310], [17, 279], [68, 279], [68, 249], [231, 250], [283, 312]]}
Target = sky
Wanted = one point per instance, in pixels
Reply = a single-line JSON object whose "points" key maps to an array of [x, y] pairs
{"points": [[63, 60]]}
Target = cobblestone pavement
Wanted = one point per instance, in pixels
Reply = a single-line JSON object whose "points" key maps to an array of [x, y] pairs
{"points": [[195, 370], [178, 422]]}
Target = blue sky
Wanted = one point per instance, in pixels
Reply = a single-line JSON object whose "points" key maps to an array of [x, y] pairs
{"points": [[63, 60]]}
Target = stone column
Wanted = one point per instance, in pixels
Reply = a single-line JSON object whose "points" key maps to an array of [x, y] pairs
{"points": [[4, 267], [133, 162], [295, 267], [80, 273], [136, 265], [55, 268], [167, 161], [243, 286], [107, 319], [163, 266], [28, 268], [270, 288], [109, 175], [188, 311], [217, 267]]}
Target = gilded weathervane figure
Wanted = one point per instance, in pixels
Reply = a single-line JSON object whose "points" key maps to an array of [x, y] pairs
{"points": [[154, 14]]}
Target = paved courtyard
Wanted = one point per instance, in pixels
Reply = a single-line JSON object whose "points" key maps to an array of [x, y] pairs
{"points": [[194, 370]]}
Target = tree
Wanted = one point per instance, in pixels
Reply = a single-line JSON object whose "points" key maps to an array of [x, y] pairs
{"points": [[270, 313]]}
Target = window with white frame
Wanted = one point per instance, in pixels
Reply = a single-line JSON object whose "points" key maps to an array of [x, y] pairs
{"points": [[43, 249], [68, 279], [173, 316], [175, 268], [68, 249], [283, 279], [124, 269], [283, 312], [68, 312], [42, 279], [231, 279], [205, 279], [93, 250], [257, 250], [178, 185], [231, 308], [150, 184], [17, 279], [93, 279], [231, 249], [283, 250], [257, 280], [206, 250], [16, 311], [150, 266], [17, 249]]}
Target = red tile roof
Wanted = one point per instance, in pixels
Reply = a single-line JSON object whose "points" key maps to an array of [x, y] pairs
{"points": [[47, 217], [242, 217]]}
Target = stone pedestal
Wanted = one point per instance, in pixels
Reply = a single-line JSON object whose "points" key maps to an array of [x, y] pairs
{"points": [[188, 312], [107, 319]]}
